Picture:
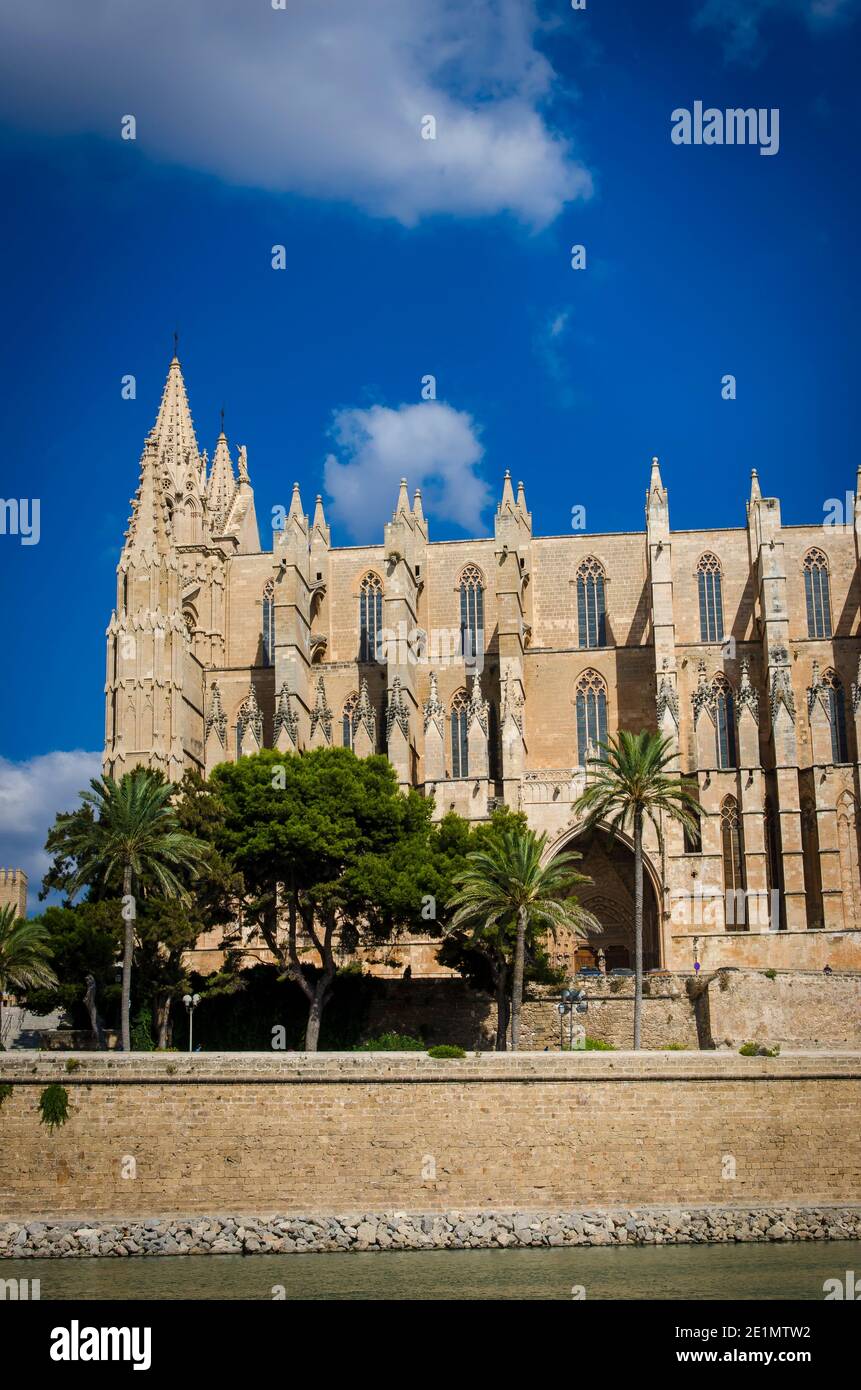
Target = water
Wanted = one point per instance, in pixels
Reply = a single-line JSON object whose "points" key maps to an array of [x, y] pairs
{"points": [[746, 1272]]}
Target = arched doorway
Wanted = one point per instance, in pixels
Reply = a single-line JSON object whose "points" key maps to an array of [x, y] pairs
{"points": [[609, 863]]}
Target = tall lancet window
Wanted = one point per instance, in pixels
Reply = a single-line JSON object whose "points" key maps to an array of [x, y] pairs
{"points": [[724, 706], [471, 614], [370, 617], [348, 718], [817, 594], [269, 623], [591, 706], [733, 863], [711, 599], [591, 607], [459, 732], [832, 689]]}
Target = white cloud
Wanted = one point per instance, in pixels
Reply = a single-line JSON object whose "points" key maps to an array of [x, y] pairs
{"points": [[323, 99], [434, 446], [31, 794], [741, 21]]}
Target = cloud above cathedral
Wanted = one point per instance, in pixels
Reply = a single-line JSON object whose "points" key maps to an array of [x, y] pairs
{"points": [[31, 794], [324, 100], [434, 446]]}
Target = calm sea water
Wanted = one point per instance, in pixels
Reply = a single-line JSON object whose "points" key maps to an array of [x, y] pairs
{"points": [[755, 1272]]}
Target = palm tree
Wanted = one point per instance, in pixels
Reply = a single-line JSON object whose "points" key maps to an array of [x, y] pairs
{"points": [[127, 832], [507, 882], [629, 787], [24, 956]]}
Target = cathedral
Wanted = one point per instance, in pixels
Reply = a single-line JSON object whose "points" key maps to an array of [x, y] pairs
{"points": [[490, 670]]}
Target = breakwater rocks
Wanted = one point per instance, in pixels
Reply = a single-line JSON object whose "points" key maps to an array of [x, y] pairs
{"points": [[452, 1230]]}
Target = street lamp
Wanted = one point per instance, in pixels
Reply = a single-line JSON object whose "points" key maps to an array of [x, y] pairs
{"points": [[191, 1002], [573, 1001]]}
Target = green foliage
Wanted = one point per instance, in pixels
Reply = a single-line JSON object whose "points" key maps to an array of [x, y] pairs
{"points": [[392, 1042], [446, 1050], [756, 1049], [54, 1106], [770, 974], [5, 1092], [83, 940], [675, 1047], [25, 953], [598, 1045], [72, 1064], [141, 1032]]}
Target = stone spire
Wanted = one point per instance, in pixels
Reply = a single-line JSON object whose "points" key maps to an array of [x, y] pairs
{"points": [[396, 711], [755, 489], [321, 715], [403, 504], [222, 485], [176, 443], [418, 513], [286, 721], [319, 522], [507, 494], [296, 504], [148, 533]]}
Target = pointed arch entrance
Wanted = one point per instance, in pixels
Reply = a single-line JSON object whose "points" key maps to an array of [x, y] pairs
{"points": [[609, 863]]}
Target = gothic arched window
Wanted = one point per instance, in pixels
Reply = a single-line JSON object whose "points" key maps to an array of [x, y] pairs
{"points": [[817, 595], [370, 616], [591, 705], [724, 706], [269, 623], [832, 690], [733, 862], [459, 732], [348, 719], [711, 598], [471, 613], [591, 608]]}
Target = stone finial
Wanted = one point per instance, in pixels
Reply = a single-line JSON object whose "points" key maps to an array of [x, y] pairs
{"points": [[512, 701], [418, 512], [755, 489], [216, 718], [478, 707], [747, 696], [242, 464], [667, 699], [396, 711], [286, 717], [433, 708], [507, 493], [702, 696], [321, 714], [365, 713]]}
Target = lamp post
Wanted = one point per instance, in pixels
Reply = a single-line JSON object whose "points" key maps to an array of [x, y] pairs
{"points": [[573, 1001], [191, 1002]]}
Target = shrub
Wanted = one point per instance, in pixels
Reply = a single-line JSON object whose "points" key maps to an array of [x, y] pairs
{"points": [[675, 1047], [72, 1064], [770, 974], [392, 1042], [54, 1106], [598, 1045], [756, 1049], [446, 1050], [5, 1091], [141, 1032]]}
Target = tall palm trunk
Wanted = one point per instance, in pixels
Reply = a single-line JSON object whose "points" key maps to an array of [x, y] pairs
{"points": [[128, 948], [638, 928], [503, 1007], [517, 978]]}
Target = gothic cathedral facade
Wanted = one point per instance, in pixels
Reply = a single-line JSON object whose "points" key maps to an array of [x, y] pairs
{"points": [[490, 670]]}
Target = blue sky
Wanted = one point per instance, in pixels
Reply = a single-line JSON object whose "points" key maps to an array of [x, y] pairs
{"points": [[405, 257]]}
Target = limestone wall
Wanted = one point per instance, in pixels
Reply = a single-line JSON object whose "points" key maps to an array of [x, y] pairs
{"points": [[792, 1009], [159, 1134]]}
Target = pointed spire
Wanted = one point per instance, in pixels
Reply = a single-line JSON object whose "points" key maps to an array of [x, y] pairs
{"points": [[655, 480], [176, 443], [521, 498], [321, 714], [204, 465], [417, 506], [365, 713], [148, 523], [755, 489], [242, 464], [403, 499], [222, 483], [478, 706], [216, 718], [286, 717], [319, 514], [507, 492], [396, 711], [433, 707], [296, 504]]}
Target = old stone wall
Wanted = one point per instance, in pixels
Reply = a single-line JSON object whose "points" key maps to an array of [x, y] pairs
{"points": [[291, 1133], [793, 1009]]}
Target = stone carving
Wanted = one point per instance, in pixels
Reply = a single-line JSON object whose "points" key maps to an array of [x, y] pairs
{"points": [[477, 707], [216, 718], [365, 714], [512, 701], [433, 708], [747, 696], [286, 716], [397, 712], [321, 713]]}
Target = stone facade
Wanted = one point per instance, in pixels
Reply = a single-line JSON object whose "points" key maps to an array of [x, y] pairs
{"points": [[153, 1134], [489, 669]]}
